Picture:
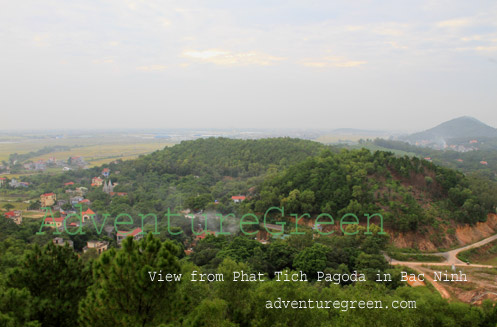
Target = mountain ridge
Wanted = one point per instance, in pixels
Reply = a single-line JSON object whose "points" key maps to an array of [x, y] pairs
{"points": [[464, 127]]}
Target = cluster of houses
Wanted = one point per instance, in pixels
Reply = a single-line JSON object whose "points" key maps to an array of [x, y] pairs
{"points": [[98, 246], [472, 145], [14, 183], [42, 164], [107, 186], [77, 196]]}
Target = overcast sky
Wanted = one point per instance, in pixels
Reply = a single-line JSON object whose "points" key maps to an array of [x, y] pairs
{"points": [[398, 65]]}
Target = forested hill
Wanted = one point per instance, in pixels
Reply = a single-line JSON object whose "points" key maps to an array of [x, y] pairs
{"points": [[199, 174], [219, 157], [409, 192], [303, 176]]}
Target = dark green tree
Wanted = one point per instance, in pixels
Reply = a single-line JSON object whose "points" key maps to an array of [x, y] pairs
{"points": [[56, 279], [123, 294]]}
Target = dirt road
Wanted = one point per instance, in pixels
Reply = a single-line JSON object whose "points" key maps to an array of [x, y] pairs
{"points": [[450, 259]]}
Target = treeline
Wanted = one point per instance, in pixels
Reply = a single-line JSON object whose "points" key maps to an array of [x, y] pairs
{"points": [[219, 157], [20, 158], [52, 286], [465, 161]]}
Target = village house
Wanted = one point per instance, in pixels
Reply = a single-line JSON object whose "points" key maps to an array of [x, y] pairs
{"points": [[15, 215], [97, 181], [106, 172], [40, 165], [2, 181], [238, 198], [135, 233], [15, 183], [86, 215], [55, 222], [61, 242], [48, 199], [75, 200], [78, 161], [99, 246], [81, 191]]}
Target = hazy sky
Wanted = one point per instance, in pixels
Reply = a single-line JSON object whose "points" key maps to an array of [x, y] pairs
{"points": [[225, 64]]}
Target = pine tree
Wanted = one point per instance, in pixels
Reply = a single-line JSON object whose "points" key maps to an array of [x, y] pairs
{"points": [[123, 294], [56, 279]]}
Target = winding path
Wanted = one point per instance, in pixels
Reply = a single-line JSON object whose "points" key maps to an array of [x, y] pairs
{"points": [[450, 259]]}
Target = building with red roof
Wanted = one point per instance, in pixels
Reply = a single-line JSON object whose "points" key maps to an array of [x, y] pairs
{"points": [[15, 216], [238, 198], [86, 215], [135, 233], [97, 181], [48, 199], [54, 222]]}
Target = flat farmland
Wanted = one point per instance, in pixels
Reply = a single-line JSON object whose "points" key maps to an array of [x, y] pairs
{"points": [[95, 149], [100, 154]]}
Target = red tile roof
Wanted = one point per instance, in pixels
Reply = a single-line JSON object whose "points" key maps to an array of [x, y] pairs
{"points": [[48, 194], [127, 233], [238, 197], [204, 235], [88, 212], [69, 183], [118, 193], [10, 214]]}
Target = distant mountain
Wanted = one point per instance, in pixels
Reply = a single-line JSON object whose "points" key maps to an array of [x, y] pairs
{"points": [[462, 128]]}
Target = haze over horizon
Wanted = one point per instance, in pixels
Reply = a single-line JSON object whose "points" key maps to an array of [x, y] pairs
{"points": [[232, 64]]}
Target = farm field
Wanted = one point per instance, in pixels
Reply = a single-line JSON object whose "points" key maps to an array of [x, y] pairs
{"points": [[96, 149]]}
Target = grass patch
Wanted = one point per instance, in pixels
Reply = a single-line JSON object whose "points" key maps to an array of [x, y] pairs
{"points": [[413, 255], [485, 255]]}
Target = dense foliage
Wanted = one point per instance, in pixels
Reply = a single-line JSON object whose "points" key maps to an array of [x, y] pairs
{"points": [[409, 192], [465, 161], [51, 286]]}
